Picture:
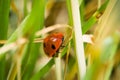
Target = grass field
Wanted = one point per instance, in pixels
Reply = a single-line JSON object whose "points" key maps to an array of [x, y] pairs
{"points": [[90, 49]]}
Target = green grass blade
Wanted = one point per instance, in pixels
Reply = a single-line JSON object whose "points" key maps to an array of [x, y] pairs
{"points": [[43, 71], [87, 25], [32, 23], [80, 1], [92, 20], [107, 43], [111, 45], [33, 56], [38, 75], [69, 12], [33, 51], [4, 18], [25, 8], [2, 67], [82, 12]]}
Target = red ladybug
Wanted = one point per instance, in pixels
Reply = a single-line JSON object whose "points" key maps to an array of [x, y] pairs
{"points": [[52, 43]]}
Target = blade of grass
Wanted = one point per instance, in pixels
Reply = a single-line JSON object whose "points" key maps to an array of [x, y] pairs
{"points": [[72, 20], [13, 70], [80, 2], [16, 64], [26, 27], [66, 62], [92, 20], [99, 4], [25, 8], [43, 71], [107, 43], [109, 18], [87, 25], [109, 48], [38, 75], [4, 18], [78, 39], [31, 23], [30, 64], [82, 12], [109, 51], [58, 68], [2, 67], [33, 51], [69, 12]]}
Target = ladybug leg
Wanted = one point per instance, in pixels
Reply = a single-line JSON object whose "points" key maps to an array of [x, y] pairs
{"points": [[57, 52], [56, 55], [62, 39], [62, 46]]}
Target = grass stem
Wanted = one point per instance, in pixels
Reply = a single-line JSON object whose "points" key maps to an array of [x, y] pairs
{"points": [[78, 38]]}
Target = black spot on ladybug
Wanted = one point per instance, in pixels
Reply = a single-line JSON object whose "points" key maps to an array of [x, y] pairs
{"points": [[44, 45], [62, 39], [53, 46]]}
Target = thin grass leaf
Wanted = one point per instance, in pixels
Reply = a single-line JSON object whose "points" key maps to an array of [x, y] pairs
{"points": [[80, 1], [38, 75], [109, 52], [58, 68], [43, 71], [33, 50], [29, 26], [2, 67], [4, 18], [91, 72], [93, 19], [87, 25], [78, 39], [25, 8], [69, 12], [106, 44], [13, 70], [82, 8], [29, 67]]}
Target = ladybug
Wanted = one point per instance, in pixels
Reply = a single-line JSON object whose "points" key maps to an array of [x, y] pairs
{"points": [[52, 44]]}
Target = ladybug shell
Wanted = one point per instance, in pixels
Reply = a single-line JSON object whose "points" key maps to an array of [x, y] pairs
{"points": [[52, 43]]}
